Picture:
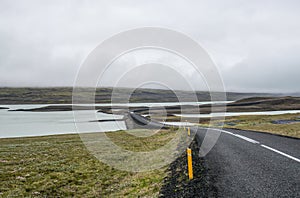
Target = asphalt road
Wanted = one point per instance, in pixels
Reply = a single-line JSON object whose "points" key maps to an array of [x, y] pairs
{"points": [[249, 164], [252, 164]]}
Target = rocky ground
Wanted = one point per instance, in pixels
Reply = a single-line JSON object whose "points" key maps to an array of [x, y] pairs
{"points": [[177, 184]]}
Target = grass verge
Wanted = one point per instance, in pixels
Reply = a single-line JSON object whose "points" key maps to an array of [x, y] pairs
{"points": [[61, 166], [286, 124]]}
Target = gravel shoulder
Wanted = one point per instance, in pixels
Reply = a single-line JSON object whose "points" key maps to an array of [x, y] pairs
{"points": [[177, 184]]}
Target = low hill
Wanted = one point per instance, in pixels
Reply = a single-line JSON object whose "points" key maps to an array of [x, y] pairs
{"points": [[63, 95]]}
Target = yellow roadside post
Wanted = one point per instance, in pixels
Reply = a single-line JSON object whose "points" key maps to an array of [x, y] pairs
{"points": [[190, 165], [189, 131]]}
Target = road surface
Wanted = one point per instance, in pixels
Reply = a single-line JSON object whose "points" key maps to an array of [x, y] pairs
{"points": [[249, 164], [253, 164]]}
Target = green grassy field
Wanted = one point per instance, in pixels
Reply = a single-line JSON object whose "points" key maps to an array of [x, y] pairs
{"points": [[61, 166], [264, 123]]}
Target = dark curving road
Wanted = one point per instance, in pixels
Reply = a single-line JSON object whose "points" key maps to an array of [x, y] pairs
{"points": [[249, 164]]}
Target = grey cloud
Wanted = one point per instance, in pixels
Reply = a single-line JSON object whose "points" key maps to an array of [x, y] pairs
{"points": [[273, 70], [254, 43]]}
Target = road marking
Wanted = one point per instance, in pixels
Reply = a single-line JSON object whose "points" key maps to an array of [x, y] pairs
{"points": [[223, 131], [247, 139], [256, 142], [281, 153], [239, 136]]}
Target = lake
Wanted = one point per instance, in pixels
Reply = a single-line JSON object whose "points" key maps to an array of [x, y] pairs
{"points": [[26, 123], [228, 114]]}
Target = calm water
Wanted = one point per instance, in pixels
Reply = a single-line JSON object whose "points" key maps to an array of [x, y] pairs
{"points": [[26, 123], [20, 123], [236, 114]]}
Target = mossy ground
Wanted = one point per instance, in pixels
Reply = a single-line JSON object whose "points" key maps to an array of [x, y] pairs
{"points": [[263, 123], [61, 166]]}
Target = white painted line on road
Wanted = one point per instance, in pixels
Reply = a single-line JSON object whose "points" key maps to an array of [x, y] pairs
{"points": [[256, 142], [281, 153], [227, 132], [247, 139], [223, 131], [239, 136]]}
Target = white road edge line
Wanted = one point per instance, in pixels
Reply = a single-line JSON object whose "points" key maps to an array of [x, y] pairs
{"points": [[239, 136], [247, 139], [224, 131], [281, 153], [256, 142]]}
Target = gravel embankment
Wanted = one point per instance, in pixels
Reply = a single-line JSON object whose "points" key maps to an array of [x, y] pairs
{"points": [[177, 184]]}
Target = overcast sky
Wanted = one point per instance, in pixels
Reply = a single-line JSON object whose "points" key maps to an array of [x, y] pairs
{"points": [[255, 44]]}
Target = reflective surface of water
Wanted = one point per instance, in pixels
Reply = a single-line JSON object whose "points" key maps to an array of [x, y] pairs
{"points": [[26, 123], [236, 114]]}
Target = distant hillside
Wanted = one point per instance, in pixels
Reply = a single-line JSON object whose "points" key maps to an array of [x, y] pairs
{"points": [[288, 103], [63, 95]]}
